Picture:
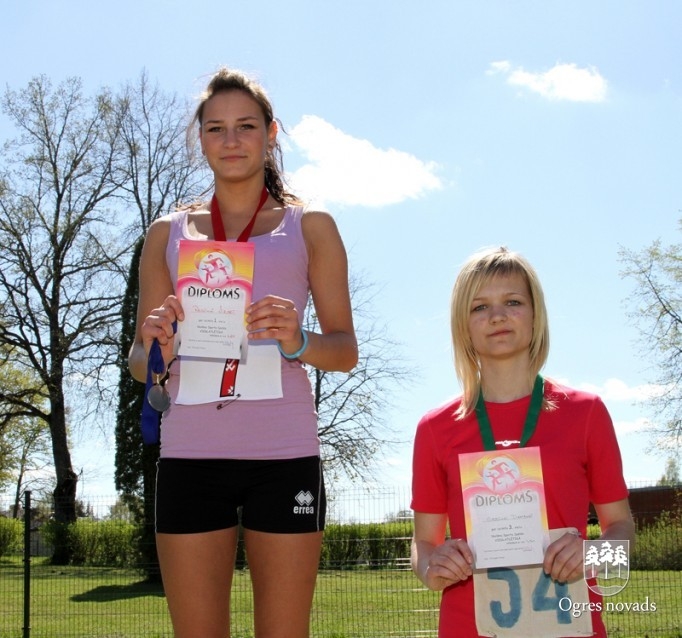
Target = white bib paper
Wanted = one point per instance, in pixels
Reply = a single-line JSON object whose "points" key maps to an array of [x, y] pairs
{"points": [[522, 602], [209, 380]]}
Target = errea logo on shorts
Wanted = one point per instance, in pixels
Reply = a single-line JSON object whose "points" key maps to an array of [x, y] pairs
{"points": [[304, 500]]}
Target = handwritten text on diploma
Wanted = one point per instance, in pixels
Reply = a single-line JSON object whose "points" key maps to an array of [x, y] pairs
{"points": [[214, 323]]}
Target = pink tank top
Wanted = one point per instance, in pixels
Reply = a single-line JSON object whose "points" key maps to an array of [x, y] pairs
{"points": [[266, 429]]}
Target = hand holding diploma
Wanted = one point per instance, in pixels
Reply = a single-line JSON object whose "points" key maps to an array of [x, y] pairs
{"points": [[450, 563], [563, 561]]}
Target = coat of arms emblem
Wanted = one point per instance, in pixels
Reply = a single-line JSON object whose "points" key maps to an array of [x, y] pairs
{"points": [[606, 565]]}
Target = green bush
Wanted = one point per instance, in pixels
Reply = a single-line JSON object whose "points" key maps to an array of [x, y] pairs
{"points": [[659, 546], [379, 545], [370, 545], [102, 543], [11, 533], [343, 546], [374, 545]]}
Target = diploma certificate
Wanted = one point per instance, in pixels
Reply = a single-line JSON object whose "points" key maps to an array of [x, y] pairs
{"points": [[215, 281], [504, 507]]}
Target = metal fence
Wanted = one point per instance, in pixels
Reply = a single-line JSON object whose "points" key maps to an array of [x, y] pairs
{"points": [[361, 599]]}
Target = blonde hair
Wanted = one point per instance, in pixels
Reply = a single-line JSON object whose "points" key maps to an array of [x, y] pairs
{"points": [[477, 271]]}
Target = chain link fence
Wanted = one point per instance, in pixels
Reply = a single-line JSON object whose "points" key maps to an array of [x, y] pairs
{"points": [[365, 587]]}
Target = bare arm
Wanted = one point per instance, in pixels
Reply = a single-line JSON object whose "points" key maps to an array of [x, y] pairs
{"points": [[616, 521], [437, 562], [157, 306], [335, 349], [564, 557]]}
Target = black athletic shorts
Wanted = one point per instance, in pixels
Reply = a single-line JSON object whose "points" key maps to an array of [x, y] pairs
{"points": [[202, 495]]}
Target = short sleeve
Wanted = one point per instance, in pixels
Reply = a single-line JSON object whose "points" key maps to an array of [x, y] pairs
{"points": [[605, 465], [429, 481]]}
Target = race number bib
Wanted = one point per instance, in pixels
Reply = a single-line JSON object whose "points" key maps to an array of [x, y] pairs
{"points": [[209, 380], [524, 602]]}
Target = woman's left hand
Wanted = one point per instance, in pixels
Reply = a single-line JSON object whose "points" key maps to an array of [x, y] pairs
{"points": [[275, 318], [564, 559]]}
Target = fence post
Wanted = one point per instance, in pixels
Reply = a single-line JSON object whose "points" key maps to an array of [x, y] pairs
{"points": [[27, 564]]}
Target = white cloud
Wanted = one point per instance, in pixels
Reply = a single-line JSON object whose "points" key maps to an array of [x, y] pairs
{"points": [[502, 66], [617, 390], [345, 170], [628, 427], [562, 82]]}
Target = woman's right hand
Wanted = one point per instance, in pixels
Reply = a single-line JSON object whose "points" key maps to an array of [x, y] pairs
{"points": [[158, 324], [449, 563]]}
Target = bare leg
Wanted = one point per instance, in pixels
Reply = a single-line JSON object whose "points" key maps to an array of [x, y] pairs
{"points": [[283, 570], [197, 574]]}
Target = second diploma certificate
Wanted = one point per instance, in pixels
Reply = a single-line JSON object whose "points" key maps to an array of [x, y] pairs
{"points": [[504, 507]]}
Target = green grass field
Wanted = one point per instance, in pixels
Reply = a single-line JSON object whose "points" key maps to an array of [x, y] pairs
{"points": [[113, 603], [664, 589]]}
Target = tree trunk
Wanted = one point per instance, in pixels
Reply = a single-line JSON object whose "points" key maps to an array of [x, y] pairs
{"points": [[67, 480]]}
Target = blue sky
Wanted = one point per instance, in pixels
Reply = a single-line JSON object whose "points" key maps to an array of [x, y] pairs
{"points": [[430, 129]]}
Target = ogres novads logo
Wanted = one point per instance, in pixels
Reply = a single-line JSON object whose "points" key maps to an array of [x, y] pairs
{"points": [[607, 565], [304, 500]]}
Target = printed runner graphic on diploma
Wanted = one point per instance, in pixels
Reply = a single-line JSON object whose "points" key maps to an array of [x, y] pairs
{"points": [[504, 507], [215, 281]]}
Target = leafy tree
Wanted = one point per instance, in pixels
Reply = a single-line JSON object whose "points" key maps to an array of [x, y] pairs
{"points": [[29, 445], [19, 389], [120, 511], [135, 471], [657, 310], [155, 172], [61, 280], [24, 453], [671, 475], [131, 455]]}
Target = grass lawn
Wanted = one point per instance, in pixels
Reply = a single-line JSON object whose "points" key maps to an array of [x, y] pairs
{"points": [[113, 603], [664, 590]]}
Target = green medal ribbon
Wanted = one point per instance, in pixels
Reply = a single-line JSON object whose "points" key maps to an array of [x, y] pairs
{"points": [[531, 418]]}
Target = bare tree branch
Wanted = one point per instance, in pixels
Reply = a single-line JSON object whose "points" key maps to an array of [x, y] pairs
{"points": [[352, 406], [61, 278], [655, 307]]}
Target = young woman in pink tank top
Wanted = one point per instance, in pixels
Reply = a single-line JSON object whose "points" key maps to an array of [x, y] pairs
{"points": [[206, 488]]}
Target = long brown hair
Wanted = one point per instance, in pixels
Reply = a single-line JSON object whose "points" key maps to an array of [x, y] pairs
{"points": [[225, 80]]}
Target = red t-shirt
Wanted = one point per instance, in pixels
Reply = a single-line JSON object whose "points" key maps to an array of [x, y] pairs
{"points": [[581, 463]]}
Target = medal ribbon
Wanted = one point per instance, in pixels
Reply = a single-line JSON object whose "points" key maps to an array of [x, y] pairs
{"points": [[228, 382], [151, 419], [217, 220], [531, 418]]}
